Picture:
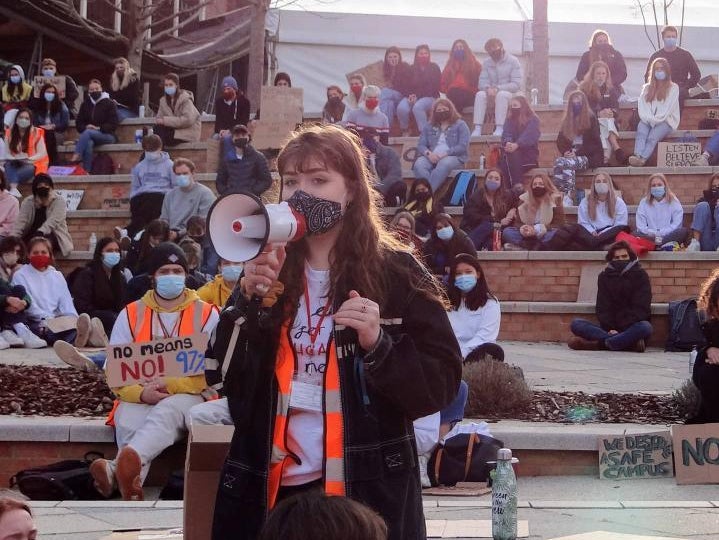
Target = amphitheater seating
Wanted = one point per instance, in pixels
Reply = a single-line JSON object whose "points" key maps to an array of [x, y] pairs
{"points": [[539, 290]]}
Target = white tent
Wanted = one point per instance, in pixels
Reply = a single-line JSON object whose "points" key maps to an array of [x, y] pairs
{"points": [[319, 47]]}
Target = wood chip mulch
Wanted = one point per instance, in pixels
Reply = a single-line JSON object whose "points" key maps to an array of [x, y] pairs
{"points": [[49, 391]]}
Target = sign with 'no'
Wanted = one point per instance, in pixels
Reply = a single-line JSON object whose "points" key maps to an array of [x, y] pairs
{"points": [[135, 363]]}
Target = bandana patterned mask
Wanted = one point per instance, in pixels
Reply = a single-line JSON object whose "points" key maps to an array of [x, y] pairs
{"points": [[320, 214]]}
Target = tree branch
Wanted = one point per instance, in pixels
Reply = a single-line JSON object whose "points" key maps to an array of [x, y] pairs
{"points": [[182, 12], [156, 37], [111, 3]]}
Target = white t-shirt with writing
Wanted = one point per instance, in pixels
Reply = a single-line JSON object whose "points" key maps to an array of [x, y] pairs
{"points": [[305, 430]]}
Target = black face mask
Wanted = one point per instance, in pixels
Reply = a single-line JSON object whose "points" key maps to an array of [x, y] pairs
{"points": [[619, 266], [320, 214], [422, 196], [198, 239], [42, 191], [334, 100], [603, 48], [539, 192], [441, 116], [241, 142], [496, 55], [95, 95]]}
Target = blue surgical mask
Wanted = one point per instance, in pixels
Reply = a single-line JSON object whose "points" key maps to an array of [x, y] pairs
{"points": [[231, 272], [110, 259], [15, 79], [465, 282], [153, 156], [458, 54], [491, 185], [658, 192], [183, 180], [670, 42], [49, 96], [170, 287], [48, 72], [23, 123], [170, 90], [445, 233], [660, 75], [576, 107]]}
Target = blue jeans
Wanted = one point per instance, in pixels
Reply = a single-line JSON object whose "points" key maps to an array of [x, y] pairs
{"points": [[420, 109], [481, 236], [48, 335], [18, 172], [436, 174], [86, 143], [124, 114], [565, 172], [648, 137], [512, 235], [388, 100], [712, 147], [454, 412], [618, 342], [702, 222]]}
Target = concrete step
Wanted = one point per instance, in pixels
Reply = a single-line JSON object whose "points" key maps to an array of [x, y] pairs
{"points": [[126, 129]]}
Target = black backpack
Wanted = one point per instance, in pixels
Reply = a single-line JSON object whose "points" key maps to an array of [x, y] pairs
{"points": [[460, 189], [66, 480], [685, 321], [463, 458]]}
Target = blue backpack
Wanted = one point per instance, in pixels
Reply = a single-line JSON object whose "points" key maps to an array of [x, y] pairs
{"points": [[460, 189]]}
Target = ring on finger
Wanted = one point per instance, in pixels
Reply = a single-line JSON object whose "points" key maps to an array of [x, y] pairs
{"points": [[364, 308]]}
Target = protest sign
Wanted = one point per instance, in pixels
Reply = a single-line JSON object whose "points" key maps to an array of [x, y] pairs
{"points": [[678, 154], [58, 82], [706, 85], [696, 452], [373, 73], [134, 363], [282, 111], [646, 455], [115, 198], [72, 197]]}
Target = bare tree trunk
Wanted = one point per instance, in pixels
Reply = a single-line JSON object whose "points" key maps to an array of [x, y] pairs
{"points": [[540, 55], [256, 65]]}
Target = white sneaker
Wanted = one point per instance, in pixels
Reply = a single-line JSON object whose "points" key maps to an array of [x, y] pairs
{"points": [[3, 344], [423, 461], [119, 233], [12, 338], [498, 131], [72, 357], [29, 339], [84, 326], [477, 131], [694, 245], [98, 337], [15, 192]]}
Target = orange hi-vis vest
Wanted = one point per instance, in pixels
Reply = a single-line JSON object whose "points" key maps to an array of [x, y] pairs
{"points": [[333, 474], [36, 133], [192, 319]]}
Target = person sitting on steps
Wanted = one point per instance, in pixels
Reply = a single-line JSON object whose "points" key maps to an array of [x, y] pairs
{"points": [[623, 307]]}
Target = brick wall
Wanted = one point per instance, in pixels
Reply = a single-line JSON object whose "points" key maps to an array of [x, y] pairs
{"points": [[81, 228], [124, 160], [558, 280], [555, 327]]}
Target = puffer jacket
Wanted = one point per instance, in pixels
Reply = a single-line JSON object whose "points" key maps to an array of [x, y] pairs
{"points": [[183, 116]]}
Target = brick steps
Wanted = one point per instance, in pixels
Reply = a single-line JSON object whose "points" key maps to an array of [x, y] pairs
{"points": [[126, 130]]}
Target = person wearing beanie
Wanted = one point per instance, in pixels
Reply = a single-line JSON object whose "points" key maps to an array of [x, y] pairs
{"points": [[49, 69], [44, 213], [154, 415], [16, 91], [231, 108]]}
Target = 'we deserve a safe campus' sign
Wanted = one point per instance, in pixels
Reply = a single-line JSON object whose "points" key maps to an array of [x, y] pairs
{"points": [[134, 363], [645, 455]]}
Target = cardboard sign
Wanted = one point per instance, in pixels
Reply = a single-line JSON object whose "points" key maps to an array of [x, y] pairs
{"points": [[696, 453], [59, 170], [58, 82], [646, 455], [213, 154], [705, 85], [282, 111], [677, 154], [116, 198], [63, 323], [134, 363], [72, 197], [269, 135], [373, 73]]}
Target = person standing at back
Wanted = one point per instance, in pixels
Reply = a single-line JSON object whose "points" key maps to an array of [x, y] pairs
{"points": [[241, 168], [231, 108], [500, 79], [684, 69], [49, 69], [602, 50]]}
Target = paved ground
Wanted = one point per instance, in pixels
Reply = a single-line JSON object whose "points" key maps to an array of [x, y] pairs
{"points": [[553, 506]]}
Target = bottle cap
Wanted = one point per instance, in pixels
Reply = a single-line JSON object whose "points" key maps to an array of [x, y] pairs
{"points": [[504, 454]]}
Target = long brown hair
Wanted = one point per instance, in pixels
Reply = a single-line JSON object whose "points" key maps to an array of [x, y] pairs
{"points": [[594, 53], [526, 113], [709, 295], [453, 114], [592, 198], [361, 231], [469, 65], [573, 125], [658, 89], [390, 72], [20, 143], [551, 189], [592, 89], [503, 201]]}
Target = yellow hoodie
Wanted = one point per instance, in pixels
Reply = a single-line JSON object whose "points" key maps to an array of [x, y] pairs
{"points": [[215, 292], [175, 385]]}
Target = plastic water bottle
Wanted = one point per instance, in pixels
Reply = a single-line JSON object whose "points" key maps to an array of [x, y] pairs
{"points": [[138, 136], [93, 242], [534, 96], [504, 498], [482, 161], [141, 112], [692, 359]]}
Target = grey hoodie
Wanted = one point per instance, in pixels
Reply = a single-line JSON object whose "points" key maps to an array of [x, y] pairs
{"points": [[150, 176]]}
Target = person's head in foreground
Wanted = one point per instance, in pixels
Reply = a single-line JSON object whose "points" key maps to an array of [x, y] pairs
{"points": [[16, 520], [467, 282], [168, 268], [620, 252], [315, 516]]}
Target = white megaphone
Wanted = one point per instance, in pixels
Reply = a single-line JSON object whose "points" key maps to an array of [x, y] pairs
{"points": [[240, 226]]}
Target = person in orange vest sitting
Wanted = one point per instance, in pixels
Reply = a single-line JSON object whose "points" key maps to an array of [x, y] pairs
{"points": [[331, 347], [26, 154], [217, 291], [152, 416]]}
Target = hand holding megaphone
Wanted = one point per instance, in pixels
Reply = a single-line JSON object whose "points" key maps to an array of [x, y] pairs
{"points": [[262, 271]]}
